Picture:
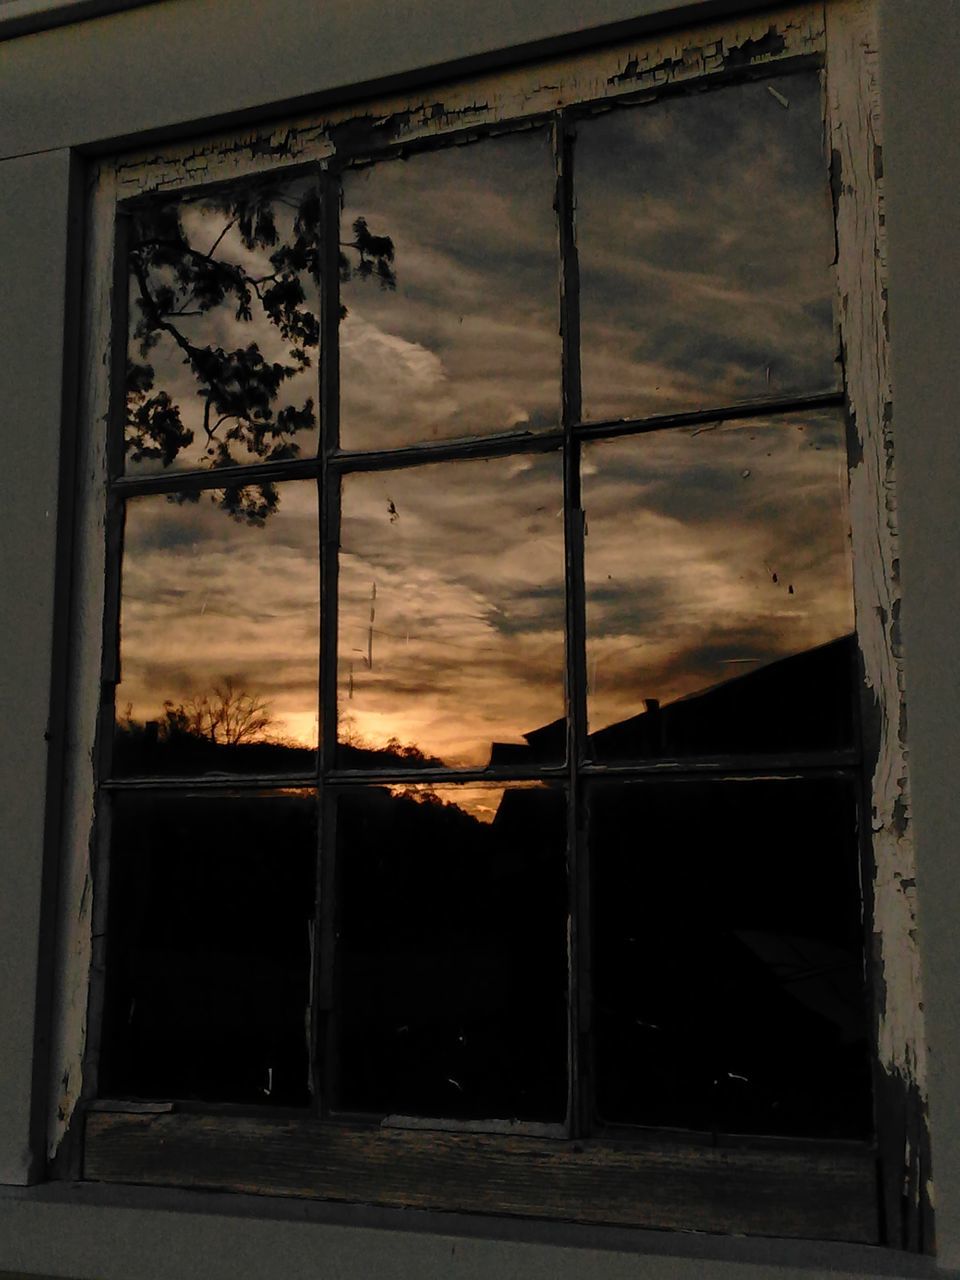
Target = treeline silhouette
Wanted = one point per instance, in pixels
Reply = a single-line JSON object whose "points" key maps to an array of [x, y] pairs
{"points": [[231, 730]]}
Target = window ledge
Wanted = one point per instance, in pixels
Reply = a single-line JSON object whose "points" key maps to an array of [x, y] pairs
{"points": [[821, 1192], [85, 1230]]}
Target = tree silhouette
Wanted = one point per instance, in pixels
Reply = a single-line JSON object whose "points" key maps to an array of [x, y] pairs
{"points": [[228, 716], [256, 277]]}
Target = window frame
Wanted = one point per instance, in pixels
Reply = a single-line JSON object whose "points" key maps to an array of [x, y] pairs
{"points": [[118, 1135]]}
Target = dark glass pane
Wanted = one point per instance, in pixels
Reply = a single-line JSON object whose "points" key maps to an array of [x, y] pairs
{"points": [[719, 590], [224, 333], [451, 614], [211, 906], [452, 952], [450, 287], [728, 965], [219, 637], [706, 246]]}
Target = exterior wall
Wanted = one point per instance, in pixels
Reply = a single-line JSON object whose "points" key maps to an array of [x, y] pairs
{"points": [[170, 63], [156, 69], [920, 45], [34, 195]]}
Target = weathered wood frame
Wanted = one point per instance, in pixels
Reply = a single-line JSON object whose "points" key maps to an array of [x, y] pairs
{"points": [[787, 1189]]}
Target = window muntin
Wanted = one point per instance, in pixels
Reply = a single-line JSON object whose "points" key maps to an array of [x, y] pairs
{"points": [[576, 434]]}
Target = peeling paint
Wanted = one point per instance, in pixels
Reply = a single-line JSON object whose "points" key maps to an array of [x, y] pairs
{"points": [[487, 99], [76, 897], [857, 184], [769, 45]]}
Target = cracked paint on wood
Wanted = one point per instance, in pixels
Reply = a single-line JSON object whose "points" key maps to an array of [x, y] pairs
{"points": [[857, 177], [628, 68], [78, 899]]}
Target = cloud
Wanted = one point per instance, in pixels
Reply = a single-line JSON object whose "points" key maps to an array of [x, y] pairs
{"points": [[706, 246], [477, 290], [707, 548], [467, 638], [205, 597]]}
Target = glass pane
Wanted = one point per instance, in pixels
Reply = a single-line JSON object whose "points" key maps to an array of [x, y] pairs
{"points": [[452, 614], [224, 335], [452, 951], [450, 295], [728, 962], [706, 246], [219, 636], [211, 907], [719, 591]]}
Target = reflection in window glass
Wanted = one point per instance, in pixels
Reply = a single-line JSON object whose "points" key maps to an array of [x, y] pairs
{"points": [[219, 636], [211, 904], [452, 951], [719, 589], [728, 957], [706, 245], [451, 614], [224, 328], [450, 287]]}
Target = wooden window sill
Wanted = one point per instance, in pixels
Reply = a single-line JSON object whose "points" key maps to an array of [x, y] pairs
{"points": [[823, 1192]]}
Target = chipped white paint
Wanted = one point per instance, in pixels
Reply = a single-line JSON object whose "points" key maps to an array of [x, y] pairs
{"points": [[628, 68], [76, 897], [856, 142]]}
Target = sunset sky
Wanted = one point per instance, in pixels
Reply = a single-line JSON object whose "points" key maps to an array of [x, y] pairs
{"points": [[705, 242]]}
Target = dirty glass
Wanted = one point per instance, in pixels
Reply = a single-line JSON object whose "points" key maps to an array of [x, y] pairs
{"points": [[449, 294], [728, 957], [452, 951], [223, 334], [211, 905], [706, 246], [451, 614], [219, 635], [719, 591]]}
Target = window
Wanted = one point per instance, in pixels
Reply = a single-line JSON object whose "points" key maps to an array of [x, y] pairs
{"points": [[481, 774]]}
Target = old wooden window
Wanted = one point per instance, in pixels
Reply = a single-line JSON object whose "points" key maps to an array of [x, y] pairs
{"points": [[482, 795]]}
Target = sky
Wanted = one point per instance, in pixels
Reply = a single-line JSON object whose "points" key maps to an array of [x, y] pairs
{"points": [[705, 249], [467, 560], [468, 341], [710, 552], [705, 239], [205, 597]]}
